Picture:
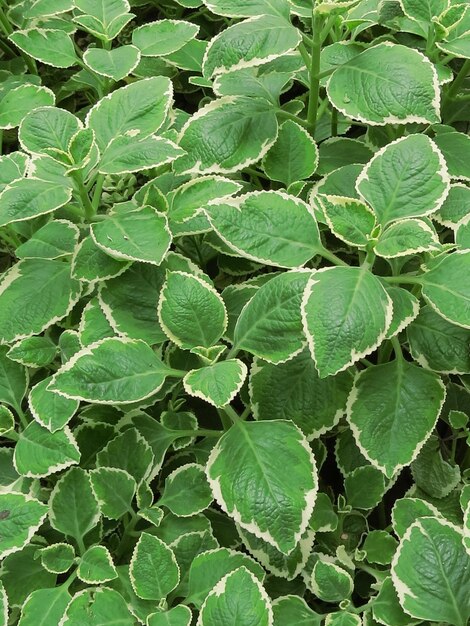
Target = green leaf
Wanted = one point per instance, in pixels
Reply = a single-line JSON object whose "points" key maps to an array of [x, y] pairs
{"points": [[275, 562], [127, 451], [97, 607], [438, 345], [379, 547], [406, 92], [210, 567], [269, 227], [114, 489], [293, 390], [153, 569], [454, 208], [103, 18], [20, 517], [130, 302], [379, 406], [7, 420], [13, 380], [91, 264], [270, 324], [190, 311], [342, 618], [430, 572], [446, 287], [407, 178], [54, 240], [250, 485], [46, 128], [126, 154], [116, 63], [293, 157], [138, 235], [408, 236], [114, 370], [340, 151], [163, 37], [455, 147], [26, 198], [18, 102], [432, 473], [386, 608], [423, 11], [238, 599], [407, 510], [73, 508], [177, 616], [13, 166], [22, 573], [94, 324], [44, 607], [364, 487], [50, 46], [34, 294], [57, 558], [96, 566], [249, 43], [191, 197], [248, 8], [33, 351], [293, 609], [46, 8], [346, 313], [329, 582], [49, 409], [350, 220], [39, 452], [405, 309], [136, 110], [218, 383], [186, 491], [227, 135]]}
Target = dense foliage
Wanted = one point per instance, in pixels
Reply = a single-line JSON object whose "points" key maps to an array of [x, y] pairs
{"points": [[235, 312]]}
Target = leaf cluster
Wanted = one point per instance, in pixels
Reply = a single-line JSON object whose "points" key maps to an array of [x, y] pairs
{"points": [[234, 312]]}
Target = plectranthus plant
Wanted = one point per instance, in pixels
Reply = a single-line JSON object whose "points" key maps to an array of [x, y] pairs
{"points": [[234, 313]]}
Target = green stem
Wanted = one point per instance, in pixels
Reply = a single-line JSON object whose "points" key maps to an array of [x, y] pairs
{"points": [[23, 419], [369, 260], [87, 206], [200, 432], [329, 256], [459, 79], [233, 415], [12, 435], [314, 90], [246, 413], [405, 279], [294, 118], [81, 546], [396, 347], [334, 122], [70, 579], [232, 353], [97, 192]]}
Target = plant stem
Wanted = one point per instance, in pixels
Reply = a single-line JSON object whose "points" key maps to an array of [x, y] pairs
{"points": [[396, 347], [406, 279], [233, 415], [97, 192], [334, 122], [87, 206], [457, 83], [329, 256], [294, 118], [312, 111]]}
